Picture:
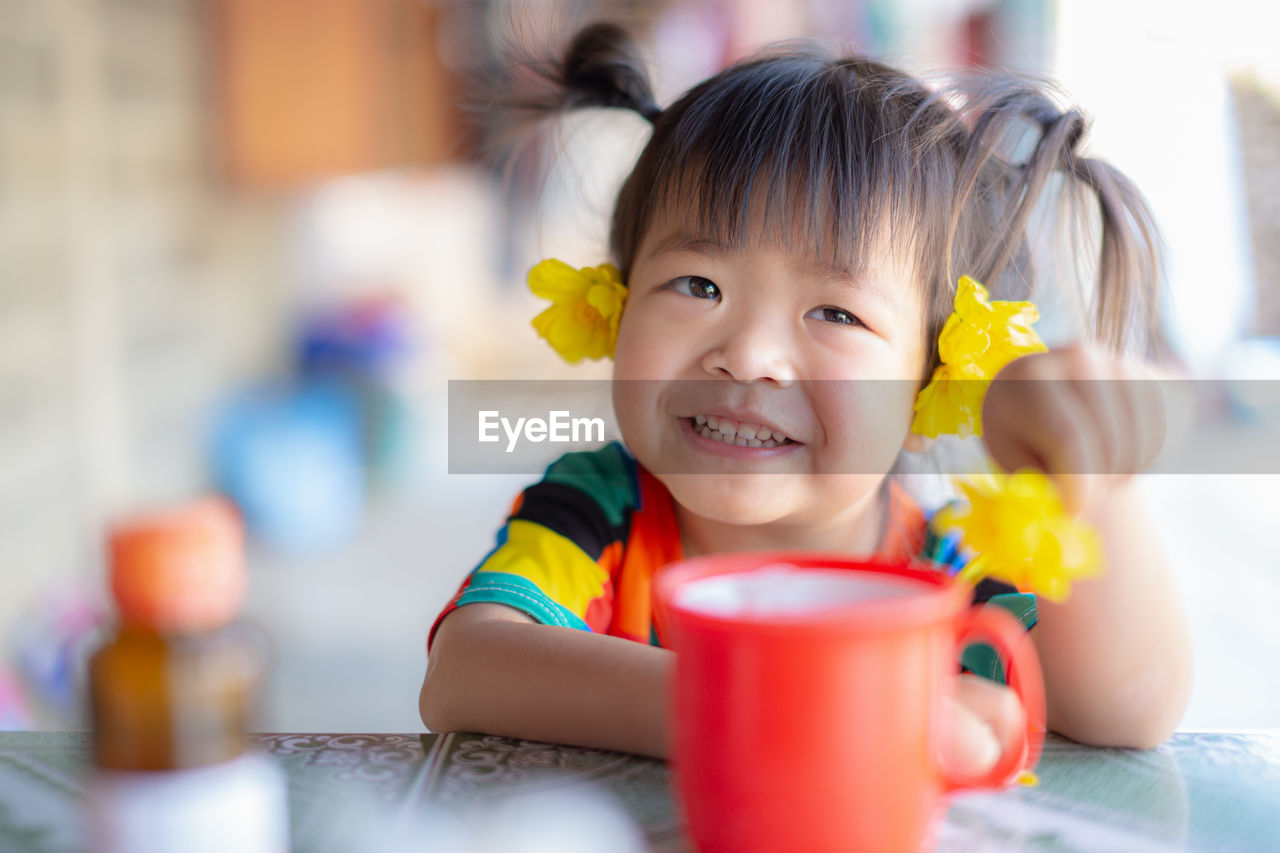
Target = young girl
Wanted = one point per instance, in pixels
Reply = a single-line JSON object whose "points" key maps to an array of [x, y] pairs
{"points": [[797, 224]]}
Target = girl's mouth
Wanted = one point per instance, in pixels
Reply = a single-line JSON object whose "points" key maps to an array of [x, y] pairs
{"points": [[737, 433]]}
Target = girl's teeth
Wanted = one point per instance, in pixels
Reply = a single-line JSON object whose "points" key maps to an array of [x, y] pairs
{"points": [[713, 422], [700, 420], [747, 431], [763, 438]]}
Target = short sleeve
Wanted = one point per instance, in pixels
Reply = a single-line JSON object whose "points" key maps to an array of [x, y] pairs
{"points": [[556, 555]]}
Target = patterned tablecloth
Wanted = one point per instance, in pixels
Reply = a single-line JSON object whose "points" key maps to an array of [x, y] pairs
{"points": [[1198, 791]]}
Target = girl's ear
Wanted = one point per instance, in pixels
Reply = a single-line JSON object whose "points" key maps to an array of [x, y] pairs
{"points": [[917, 443]]}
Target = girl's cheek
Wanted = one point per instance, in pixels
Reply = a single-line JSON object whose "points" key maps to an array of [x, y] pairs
{"points": [[626, 406], [628, 367], [865, 419], [645, 347], [626, 355]]}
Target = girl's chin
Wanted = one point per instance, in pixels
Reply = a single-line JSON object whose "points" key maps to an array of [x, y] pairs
{"points": [[740, 499]]}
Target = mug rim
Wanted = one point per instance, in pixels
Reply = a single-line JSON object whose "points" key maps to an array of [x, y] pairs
{"points": [[941, 598]]}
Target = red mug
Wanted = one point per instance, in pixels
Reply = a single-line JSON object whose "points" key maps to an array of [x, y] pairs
{"points": [[808, 693]]}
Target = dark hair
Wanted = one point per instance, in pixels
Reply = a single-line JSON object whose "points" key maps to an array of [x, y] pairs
{"points": [[835, 151]]}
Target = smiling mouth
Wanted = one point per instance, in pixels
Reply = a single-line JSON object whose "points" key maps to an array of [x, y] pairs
{"points": [[737, 432]]}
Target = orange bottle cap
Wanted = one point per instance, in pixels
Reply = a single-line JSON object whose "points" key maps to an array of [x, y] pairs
{"points": [[181, 569]]}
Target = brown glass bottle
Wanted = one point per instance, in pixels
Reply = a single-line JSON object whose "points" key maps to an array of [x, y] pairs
{"points": [[170, 692], [173, 687]]}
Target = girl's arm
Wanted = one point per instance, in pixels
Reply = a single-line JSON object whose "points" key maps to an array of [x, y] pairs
{"points": [[1116, 654], [494, 670]]}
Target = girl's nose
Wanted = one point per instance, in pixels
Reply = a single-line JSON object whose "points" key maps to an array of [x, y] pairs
{"points": [[753, 350]]}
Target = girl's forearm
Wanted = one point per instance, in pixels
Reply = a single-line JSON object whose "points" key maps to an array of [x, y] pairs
{"points": [[1117, 653], [492, 670]]}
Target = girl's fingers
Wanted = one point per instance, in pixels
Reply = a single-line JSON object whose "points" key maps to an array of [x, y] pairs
{"points": [[1006, 435], [1128, 416], [1103, 410], [1113, 424], [1007, 448], [986, 714], [974, 748], [1074, 449], [1045, 425], [1077, 415], [993, 703]]}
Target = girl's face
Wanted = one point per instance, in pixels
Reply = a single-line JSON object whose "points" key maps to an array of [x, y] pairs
{"points": [[739, 341]]}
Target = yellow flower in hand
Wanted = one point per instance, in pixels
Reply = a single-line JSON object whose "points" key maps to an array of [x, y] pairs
{"points": [[978, 339], [586, 307], [1017, 526]]}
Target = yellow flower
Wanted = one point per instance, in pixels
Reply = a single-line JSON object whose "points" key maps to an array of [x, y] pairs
{"points": [[1017, 526], [951, 403], [988, 334], [586, 307], [978, 339]]}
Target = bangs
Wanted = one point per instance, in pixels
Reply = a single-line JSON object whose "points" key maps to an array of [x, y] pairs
{"points": [[797, 150]]}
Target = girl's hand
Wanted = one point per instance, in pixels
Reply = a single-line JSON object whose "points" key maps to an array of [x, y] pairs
{"points": [[985, 714], [1079, 414]]}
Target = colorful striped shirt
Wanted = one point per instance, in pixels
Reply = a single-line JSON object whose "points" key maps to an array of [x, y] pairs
{"points": [[580, 548]]}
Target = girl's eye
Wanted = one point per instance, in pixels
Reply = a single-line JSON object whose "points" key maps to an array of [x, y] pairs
{"points": [[695, 286], [835, 315]]}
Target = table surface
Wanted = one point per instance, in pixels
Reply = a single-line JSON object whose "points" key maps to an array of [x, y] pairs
{"points": [[1197, 791]]}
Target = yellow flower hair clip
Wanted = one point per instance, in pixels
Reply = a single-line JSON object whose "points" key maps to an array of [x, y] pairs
{"points": [[1017, 526], [586, 307], [979, 338]]}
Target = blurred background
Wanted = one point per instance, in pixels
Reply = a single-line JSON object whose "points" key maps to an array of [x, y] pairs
{"points": [[244, 244]]}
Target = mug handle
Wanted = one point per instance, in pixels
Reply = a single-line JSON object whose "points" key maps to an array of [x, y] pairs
{"points": [[992, 624]]}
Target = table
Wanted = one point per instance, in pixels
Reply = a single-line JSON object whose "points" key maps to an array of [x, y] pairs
{"points": [[1197, 791]]}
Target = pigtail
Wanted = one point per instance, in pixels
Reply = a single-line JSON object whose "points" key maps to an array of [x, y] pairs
{"points": [[1130, 252], [526, 84], [1022, 147], [601, 67]]}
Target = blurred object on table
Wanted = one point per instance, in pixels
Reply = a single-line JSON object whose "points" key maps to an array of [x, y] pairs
{"points": [[52, 641], [171, 692], [13, 710]]}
